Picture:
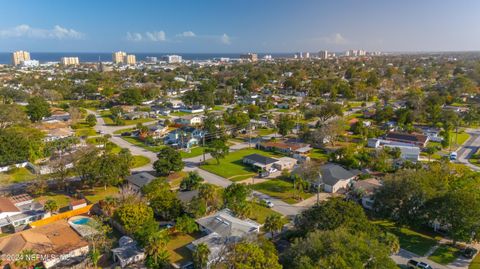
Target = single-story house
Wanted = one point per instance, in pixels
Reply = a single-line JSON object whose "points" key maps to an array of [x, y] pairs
{"points": [[57, 237], [413, 138], [335, 177], [76, 204], [127, 252], [18, 211], [286, 147], [259, 161], [365, 189], [190, 120], [138, 180], [222, 229]]}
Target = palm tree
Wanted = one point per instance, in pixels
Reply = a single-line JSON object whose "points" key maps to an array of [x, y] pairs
{"points": [[51, 206], [26, 259], [156, 247], [208, 193], [200, 256], [273, 223]]}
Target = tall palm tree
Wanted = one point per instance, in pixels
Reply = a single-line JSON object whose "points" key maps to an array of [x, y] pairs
{"points": [[273, 223], [26, 259], [200, 256], [156, 247]]}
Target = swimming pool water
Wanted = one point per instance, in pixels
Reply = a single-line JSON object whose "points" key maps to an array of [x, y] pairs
{"points": [[82, 221]]}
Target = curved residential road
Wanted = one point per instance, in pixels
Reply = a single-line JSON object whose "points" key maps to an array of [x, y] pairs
{"points": [[469, 147]]}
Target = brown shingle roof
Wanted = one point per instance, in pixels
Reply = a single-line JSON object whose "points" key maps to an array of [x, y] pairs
{"points": [[7, 206]]}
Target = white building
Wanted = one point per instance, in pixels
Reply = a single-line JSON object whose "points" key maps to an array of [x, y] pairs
{"points": [[323, 54], [68, 61], [171, 59], [30, 63]]}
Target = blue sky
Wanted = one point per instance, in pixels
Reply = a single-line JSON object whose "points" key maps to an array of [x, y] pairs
{"points": [[239, 25]]}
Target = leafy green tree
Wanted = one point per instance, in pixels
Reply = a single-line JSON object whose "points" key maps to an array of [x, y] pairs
{"points": [[11, 115], [156, 250], [169, 160], [18, 144], [217, 149], [38, 108], [200, 256], [162, 199], [273, 223], [51, 206], [132, 216], [285, 124], [185, 224], [131, 96], [91, 120], [235, 198], [191, 181], [253, 255], [27, 258], [338, 249]]}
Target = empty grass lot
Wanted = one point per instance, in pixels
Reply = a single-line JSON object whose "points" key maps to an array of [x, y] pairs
{"points": [[410, 240], [139, 161], [139, 143], [194, 152], [177, 247], [15, 176], [259, 213], [280, 189], [445, 254], [62, 200], [99, 193], [232, 166], [109, 122]]}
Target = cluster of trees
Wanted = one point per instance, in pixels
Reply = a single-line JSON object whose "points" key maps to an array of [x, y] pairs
{"points": [[442, 195], [337, 234]]}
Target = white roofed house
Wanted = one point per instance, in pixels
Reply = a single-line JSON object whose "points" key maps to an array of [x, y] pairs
{"points": [[18, 211], [190, 120], [223, 229]]}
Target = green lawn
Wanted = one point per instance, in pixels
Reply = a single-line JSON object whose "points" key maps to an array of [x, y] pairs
{"points": [[137, 142], [82, 129], [139, 161], [108, 120], [445, 254], [280, 189], [15, 176], [61, 199], [475, 264], [259, 213], [462, 137], [318, 154], [175, 179], [194, 152], [177, 247], [179, 114], [264, 131], [232, 166], [410, 240], [218, 108], [99, 193], [124, 130]]}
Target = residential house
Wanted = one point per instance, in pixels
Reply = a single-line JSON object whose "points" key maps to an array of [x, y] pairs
{"points": [[57, 238], [18, 211], [158, 131], [190, 120], [223, 229], [415, 139], [193, 109], [185, 137], [127, 253], [77, 204], [364, 191], [264, 163], [409, 153], [335, 177], [286, 147], [138, 180]]}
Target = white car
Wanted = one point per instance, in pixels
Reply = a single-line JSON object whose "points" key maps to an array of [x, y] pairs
{"points": [[272, 170], [268, 203]]}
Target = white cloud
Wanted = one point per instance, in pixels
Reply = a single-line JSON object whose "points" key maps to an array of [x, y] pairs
{"points": [[134, 37], [156, 36], [336, 39], [225, 39], [25, 30], [187, 34]]}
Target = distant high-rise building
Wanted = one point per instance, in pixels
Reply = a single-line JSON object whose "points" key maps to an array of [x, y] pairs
{"points": [[252, 57], [67, 61], [119, 57], [130, 59], [150, 59], [323, 54], [172, 59], [20, 56], [30, 63]]}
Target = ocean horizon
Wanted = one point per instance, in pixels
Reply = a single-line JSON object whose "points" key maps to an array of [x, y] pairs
{"points": [[42, 57]]}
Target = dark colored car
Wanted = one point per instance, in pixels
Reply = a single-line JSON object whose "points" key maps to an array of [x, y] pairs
{"points": [[469, 252], [126, 134]]}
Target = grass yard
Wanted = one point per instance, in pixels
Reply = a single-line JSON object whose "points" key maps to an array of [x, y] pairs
{"points": [[177, 247], [232, 166], [280, 189], [109, 122], [99, 193], [462, 138], [124, 130], [83, 130], [445, 254], [410, 240], [259, 213], [61, 199], [15, 176], [180, 114], [475, 264], [137, 142], [194, 152], [265, 131], [139, 161], [318, 154]]}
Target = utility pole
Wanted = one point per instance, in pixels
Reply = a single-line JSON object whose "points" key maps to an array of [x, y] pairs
{"points": [[203, 139], [318, 187], [249, 134]]}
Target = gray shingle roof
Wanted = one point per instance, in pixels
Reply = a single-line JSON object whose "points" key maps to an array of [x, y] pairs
{"points": [[332, 173], [261, 159], [140, 179]]}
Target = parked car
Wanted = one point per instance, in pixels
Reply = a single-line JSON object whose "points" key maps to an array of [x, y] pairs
{"points": [[413, 264], [469, 252], [453, 156], [268, 203], [126, 134]]}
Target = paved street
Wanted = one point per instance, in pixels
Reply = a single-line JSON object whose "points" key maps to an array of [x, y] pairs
{"points": [[403, 256], [469, 147]]}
